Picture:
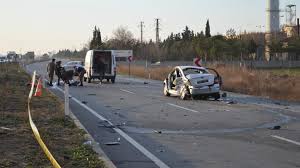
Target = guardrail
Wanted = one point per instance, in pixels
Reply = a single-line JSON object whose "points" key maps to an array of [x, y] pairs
{"points": [[35, 130]]}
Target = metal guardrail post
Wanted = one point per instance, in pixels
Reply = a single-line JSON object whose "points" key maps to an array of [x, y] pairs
{"points": [[67, 101]]}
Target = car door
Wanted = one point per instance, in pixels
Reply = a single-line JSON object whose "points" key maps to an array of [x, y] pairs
{"points": [[178, 81]]}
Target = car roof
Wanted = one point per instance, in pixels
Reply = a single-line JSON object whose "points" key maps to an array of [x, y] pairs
{"points": [[185, 67]]}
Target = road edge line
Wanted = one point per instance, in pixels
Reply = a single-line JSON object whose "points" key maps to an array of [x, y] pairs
{"points": [[286, 140], [184, 108], [94, 145], [133, 142], [127, 91]]}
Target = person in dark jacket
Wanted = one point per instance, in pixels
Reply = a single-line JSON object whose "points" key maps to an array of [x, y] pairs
{"points": [[80, 71], [101, 69], [58, 69], [67, 75], [50, 71]]}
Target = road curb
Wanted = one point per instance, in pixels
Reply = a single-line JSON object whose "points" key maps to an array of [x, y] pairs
{"points": [[95, 146]]}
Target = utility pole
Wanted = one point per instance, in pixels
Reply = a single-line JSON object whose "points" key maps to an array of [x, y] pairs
{"points": [[157, 36], [142, 31], [142, 44], [157, 30]]}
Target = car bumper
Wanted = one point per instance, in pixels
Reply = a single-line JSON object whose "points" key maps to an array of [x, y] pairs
{"points": [[204, 90]]}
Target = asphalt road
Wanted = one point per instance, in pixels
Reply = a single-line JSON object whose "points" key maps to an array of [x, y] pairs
{"points": [[157, 131]]}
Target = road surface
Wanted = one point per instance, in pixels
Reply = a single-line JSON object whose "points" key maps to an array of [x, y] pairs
{"points": [[157, 131]]}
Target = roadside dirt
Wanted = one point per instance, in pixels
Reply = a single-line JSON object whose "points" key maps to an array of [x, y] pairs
{"points": [[18, 145]]}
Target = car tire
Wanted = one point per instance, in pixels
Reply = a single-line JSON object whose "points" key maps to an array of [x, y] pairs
{"points": [[184, 94], [89, 79], [195, 97], [217, 96], [166, 93]]}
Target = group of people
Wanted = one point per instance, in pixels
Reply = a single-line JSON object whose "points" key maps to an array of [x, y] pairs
{"points": [[63, 74]]}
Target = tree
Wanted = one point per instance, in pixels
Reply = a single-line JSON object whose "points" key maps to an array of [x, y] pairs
{"points": [[231, 33], [207, 29], [122, 39], [252, 46], [96, 42], [187, 34]]}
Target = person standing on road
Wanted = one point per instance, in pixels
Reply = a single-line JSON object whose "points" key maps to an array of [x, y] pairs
{"points": [[101, 69], [58, 70], [80, 71], [50, 71]]}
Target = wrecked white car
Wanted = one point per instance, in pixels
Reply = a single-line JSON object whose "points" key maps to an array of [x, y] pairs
{"points": [[193, 82]]}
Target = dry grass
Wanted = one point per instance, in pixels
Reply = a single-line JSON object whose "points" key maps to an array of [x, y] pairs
{"points": [[238, 79], [156, 73], [18, 145]]}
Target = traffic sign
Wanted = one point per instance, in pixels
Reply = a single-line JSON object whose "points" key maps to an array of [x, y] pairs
{"points": [[197, 62], [130, 58]]}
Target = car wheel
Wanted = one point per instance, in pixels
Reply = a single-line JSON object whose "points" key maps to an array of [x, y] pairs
{"points": [[166, 93], [89, 79], [195, 97], [184, 94], [217, 96]]}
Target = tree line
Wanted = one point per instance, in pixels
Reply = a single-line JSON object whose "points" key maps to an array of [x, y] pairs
{"points": [[188, 44]]}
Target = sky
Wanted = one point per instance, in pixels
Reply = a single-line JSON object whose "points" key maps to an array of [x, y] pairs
{"points": [[50, 25]]}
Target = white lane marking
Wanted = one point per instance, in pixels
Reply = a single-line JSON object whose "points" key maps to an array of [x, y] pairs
{"points": [[285, 139], [127, 91], [191, 110], [138, 146]]}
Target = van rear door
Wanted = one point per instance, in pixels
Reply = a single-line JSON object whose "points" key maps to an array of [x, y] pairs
{"points": [[106, 58]]}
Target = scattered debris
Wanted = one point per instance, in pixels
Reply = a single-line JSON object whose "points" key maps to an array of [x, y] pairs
{"points": [[227, 110], [224, 94], [106, 125], [277, 127], [121, 98], [5, 128], [160, 150], [112, 143], [185, 115], [87, 143], [91, 94], [231, 102], [84, 102], [158, 132], [146, 83]]}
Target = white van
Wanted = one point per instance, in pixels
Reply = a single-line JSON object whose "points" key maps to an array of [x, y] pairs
{"points": [[90, 65]]}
